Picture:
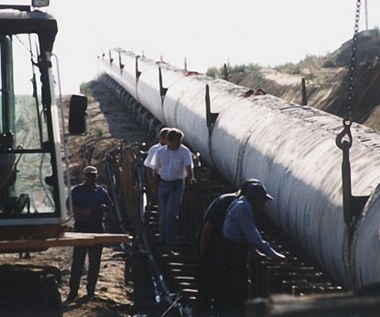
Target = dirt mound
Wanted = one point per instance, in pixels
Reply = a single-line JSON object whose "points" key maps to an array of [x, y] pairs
{"points": [[327, 80], [368, 44]]}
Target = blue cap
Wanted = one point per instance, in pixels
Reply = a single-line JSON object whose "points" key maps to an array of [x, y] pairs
{"points": [[253, 188]]}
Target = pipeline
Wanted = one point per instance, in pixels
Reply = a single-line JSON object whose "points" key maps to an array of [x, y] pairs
{"points": [[290, 147]]}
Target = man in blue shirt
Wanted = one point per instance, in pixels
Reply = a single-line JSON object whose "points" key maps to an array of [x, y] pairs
{"points": [[211, 248], [89, 201], [240, 232]]}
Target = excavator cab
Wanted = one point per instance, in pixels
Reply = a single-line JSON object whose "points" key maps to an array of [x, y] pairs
{"points": [[31, 179], [33, 213]]}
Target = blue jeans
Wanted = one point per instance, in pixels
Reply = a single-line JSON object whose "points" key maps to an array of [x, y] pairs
{"points": [[170, 198]]}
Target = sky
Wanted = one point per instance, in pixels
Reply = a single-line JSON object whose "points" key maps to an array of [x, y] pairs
{"points": [[205, 32]]}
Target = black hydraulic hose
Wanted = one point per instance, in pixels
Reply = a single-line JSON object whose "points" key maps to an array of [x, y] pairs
{"points": [[162, 290], [140, 171], [109, 158], [158, 278]]}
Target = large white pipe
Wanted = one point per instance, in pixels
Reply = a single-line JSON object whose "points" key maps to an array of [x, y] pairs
{"points": [[292, 149]]}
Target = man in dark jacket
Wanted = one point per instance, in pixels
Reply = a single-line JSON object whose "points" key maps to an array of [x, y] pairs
{"points": [[211, 247]]}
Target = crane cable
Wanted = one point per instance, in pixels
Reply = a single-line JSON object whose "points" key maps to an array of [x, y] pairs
{"points": [[351, 205], [344, 138]]}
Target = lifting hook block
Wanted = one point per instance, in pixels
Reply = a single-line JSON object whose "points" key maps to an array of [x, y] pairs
{"points": [[344, 136], [352, 205]]}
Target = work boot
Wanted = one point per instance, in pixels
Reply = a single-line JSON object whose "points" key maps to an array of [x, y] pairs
{"points": [[89, 296], [72, 296]]}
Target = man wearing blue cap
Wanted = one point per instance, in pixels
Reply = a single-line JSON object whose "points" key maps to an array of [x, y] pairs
{"points": [[211, 247], [240, 232]]}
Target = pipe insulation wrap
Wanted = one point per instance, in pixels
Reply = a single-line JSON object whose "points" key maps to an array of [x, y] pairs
{"points": [[148, 88]]}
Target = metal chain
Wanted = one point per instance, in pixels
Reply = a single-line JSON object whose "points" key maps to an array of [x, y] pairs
{"points": [[345, 134], [347, 121]]}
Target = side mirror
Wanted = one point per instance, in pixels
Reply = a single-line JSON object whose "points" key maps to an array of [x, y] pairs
{"points": [[77, 114]]}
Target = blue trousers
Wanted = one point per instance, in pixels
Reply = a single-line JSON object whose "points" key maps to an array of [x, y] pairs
{"points": [[169, 199], [94, 258], [79, 255]]}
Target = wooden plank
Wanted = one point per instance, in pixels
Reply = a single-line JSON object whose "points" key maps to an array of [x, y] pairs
{"points": [[68, 239]]}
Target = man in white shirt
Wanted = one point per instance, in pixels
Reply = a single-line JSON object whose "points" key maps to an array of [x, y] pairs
{"points": [[149, 164], [149, 160], [173, 166]]}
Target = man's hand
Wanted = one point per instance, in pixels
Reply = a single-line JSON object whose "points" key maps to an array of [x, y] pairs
{"points": [[82, 211], [191, 180]]}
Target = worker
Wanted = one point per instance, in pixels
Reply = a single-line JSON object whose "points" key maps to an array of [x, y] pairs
{"points": [[90, 201], [240, 232], [149, 164], [173, 167], [7, 160], [210, 247]]}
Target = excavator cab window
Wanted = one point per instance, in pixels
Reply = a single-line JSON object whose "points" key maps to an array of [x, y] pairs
{"points": [[26, 152]]}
